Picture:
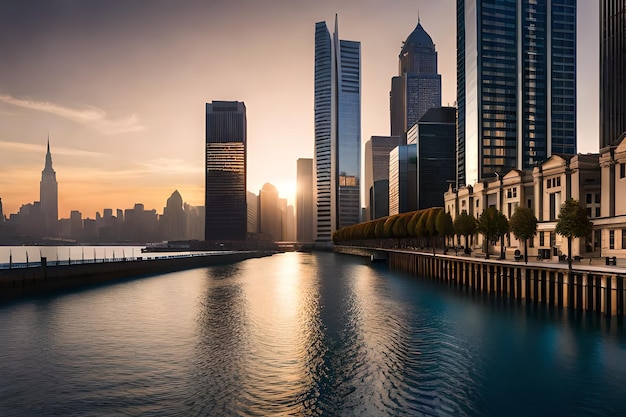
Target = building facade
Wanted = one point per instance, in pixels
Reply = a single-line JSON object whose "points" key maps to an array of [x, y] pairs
{"points": [[403, 179], [376, 167], [612, 71], [435, 139], [337, 131], [305, 213], [417, 88], [225, 192], [516, 84], [270, 218], [49, 198]]}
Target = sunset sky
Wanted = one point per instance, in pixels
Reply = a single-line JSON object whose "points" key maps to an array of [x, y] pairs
{"points": [[120, 86]]}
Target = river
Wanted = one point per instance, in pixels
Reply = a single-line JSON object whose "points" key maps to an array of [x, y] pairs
{"points": [[303, 334]]}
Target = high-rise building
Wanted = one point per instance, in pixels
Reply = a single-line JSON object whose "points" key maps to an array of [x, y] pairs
{"points": [[225, 194], [516, 84], [402, 179], [417, 88], [49, 197], [612, 71], [337, 131], [252, 201], [173, 222], [376, 166], [304, 200], [435, 138], [270, 220]]}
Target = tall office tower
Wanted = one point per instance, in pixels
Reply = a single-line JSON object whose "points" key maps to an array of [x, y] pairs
{"points": [[435, 138], [252, 201], [402, 179], [376, 166], [1, 213], [270, 219], [337, 131], [225, 194], [304, 200], [49, 197], [516, 84], [417, 88], [612, 71], [173, 222]]}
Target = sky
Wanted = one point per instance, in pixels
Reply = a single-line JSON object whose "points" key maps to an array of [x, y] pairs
{"points": [[120, 88]]}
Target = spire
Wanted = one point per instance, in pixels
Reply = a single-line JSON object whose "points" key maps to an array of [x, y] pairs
{"points": [[418, 16], [48, 166]]}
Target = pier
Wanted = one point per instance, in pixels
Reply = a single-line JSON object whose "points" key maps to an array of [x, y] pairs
{"points": [[589, 288], [47, 276]]}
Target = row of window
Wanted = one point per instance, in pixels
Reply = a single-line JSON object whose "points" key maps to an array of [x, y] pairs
{"points": [[553, 182]]}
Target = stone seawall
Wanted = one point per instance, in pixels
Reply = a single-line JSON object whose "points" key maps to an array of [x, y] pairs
{"points": [[19, 282], [596, 289]]}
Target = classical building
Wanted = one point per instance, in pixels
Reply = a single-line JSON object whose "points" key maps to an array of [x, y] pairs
{"points": [[337, 131], [417, 87], [516, 84], [544, 190], [225, 193], [612, 71]]}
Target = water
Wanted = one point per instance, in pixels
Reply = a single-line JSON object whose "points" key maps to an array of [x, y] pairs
{"points": [[302, 334]]}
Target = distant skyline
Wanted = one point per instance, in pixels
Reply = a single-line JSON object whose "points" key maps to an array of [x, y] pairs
{"points": [[121, 87]]}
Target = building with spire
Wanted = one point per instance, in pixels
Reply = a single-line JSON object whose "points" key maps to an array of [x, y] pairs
{"points": [[417, 87], [49, 198], [337, 161]]}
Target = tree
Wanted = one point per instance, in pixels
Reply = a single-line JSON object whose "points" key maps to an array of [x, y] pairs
{"points": [[493, 225], [444, 225], [572, 222], [465, 225], [524, 226]]}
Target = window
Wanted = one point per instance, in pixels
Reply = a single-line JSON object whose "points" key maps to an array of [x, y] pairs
{"points": [[477, 202], [611, 239], [541, 239], [531, 242], [558, 181], [622, 170], [597, 211], [549, 184], [588, 198], [597, 198], [623, 238]]}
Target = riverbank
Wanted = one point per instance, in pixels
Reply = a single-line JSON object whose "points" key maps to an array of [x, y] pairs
{"points": [[45, 277], [590, 287]]}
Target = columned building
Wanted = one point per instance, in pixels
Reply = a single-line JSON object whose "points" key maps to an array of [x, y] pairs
{"points": [[417, 88], [337, 131], [612, 71], [516, 84], [49, 197], [225, 193]]}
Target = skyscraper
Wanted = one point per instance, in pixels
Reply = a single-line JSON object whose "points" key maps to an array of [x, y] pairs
{"points": [[304, 200], [376, 167], [612, 71], [417, 88], [225, 194], [516, 84], [337, 131], [49, 197]]}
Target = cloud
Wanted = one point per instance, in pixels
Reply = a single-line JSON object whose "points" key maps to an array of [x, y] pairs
{"points": [[39, 149], [89, 116]]}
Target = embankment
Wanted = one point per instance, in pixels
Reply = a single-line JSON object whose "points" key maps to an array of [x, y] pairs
{"points": [[588, 288], [19, 282]]}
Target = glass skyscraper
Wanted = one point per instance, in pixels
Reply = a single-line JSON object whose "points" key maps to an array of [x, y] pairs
{"points": [[516, 84], [225, 192], [612, 71], [337, 131]]}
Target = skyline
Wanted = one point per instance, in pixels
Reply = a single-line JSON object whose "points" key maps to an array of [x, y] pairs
{"points": [[108, 80]]}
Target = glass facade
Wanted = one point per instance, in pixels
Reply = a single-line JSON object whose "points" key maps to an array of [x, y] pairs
{"points": [[225, 192], [612, 71], [516, 67], [337, 131]]}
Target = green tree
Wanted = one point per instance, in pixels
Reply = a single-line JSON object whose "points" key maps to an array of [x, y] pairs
{"points": [[493, 225], [524, 226], [388, 227], [379, 230], [444, 225], [572, 222], [465, 225]]}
